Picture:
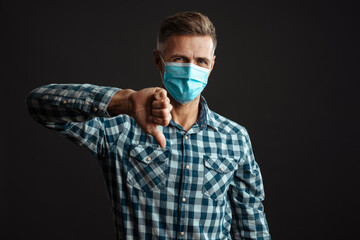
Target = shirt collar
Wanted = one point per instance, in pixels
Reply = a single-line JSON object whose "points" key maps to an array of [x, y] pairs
{"points": [[206, 117]]}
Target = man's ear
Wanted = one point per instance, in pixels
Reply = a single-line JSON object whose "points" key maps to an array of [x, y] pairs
{"points": [[157, 60]]}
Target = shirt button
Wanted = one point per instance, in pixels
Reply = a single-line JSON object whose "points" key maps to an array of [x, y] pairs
{"points": [[94, 109], [183, 199], [64, 102], [187, 167], [148, 159], [186, 137], [182, 233], [202, 125], [222, 169]]}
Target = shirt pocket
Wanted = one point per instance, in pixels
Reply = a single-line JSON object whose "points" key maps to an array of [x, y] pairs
{"points": [[148, 167], [218, 174]]}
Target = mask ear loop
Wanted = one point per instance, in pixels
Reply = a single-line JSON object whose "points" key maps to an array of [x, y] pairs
{"points": [[161, 75]]}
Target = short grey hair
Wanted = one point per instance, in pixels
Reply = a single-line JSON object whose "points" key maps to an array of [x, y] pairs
{"points": [[186, 23]]}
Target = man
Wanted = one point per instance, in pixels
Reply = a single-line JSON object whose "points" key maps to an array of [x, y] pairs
{"points": [[173, 168]]}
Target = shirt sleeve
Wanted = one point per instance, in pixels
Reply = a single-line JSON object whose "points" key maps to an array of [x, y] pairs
{"points": [[78, 111], [246, 194]]}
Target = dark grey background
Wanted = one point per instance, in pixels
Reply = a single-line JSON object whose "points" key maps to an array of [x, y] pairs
{"points": [[286, 70]]}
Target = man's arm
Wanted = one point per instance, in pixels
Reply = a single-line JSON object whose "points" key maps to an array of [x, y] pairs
{"points": [[57, 104], [78, 106], [246, 194]]}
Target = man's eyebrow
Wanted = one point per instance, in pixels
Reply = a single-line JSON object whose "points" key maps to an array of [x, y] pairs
{"points": [[179, 55], [203, 58], [187, 58]]}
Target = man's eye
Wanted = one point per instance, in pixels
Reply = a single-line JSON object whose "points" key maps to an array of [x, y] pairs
{"points": [[203, 62], [179, 59]]}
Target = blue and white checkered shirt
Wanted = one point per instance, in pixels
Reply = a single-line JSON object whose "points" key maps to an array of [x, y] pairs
{"points": [[204, 185]]}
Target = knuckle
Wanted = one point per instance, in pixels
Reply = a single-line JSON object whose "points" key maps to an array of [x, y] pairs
{"points": [[161, 104], [163, 94], [164, 113], [158, 121], [156, 104]]}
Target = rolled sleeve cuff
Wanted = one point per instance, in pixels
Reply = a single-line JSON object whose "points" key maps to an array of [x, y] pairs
{"points": [[99, 99]]}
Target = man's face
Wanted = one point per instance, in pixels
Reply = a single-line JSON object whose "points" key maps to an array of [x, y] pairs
{"points": [[186, 49]]}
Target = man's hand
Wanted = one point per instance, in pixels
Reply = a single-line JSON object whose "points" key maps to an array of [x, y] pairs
{"points": [[149, 107]]}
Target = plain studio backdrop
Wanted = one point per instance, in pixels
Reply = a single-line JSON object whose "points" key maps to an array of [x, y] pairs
{"points": [[286, 70]]}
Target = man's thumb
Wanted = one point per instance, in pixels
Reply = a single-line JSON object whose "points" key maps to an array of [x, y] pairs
{"points": [[159, 136]]}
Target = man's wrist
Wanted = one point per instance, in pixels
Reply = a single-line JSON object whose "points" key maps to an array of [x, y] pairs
{"points": [[121, 103]]}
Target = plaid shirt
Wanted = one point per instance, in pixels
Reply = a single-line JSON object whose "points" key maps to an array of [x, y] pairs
{"points": [[204, 185]]}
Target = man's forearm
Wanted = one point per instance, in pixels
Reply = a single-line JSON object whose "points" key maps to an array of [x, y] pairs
{"points": [[69, 102], [121, 103]]}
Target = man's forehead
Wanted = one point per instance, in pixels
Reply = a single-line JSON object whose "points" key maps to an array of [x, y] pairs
{"points": [[188, 44]]}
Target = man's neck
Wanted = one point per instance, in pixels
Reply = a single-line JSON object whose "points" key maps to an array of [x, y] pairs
{"points": [[185, 114]]}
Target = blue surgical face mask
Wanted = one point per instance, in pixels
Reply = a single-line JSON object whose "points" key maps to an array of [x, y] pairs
{"points": [[184, 81]]}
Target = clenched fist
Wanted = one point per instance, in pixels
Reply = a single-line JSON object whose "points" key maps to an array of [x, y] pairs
{"points": [[149, 107]]}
